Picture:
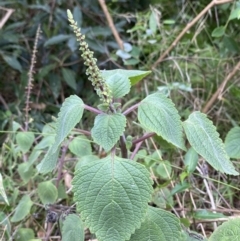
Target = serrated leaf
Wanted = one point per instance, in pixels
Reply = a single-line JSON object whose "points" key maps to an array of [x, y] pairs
{"points": [[85, 160], [49, 161], [12, 62], [232, 142], [47, 192], [191, 160], [134, 75], [70, 114], [203, 137], [112, 196], [107, 129], [228, 231], [158, 225], [119, 84], [73, 228], [57, 39], [25, 141], [69, 77], [157, 113], [2, 191], [22, 209], [80, 146]]}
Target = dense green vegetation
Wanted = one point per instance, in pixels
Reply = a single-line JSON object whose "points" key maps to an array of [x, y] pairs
{"points": [[199, 73]]}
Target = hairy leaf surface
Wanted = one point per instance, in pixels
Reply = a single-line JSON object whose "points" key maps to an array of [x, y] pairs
{"points": [[112, 196], [204, 138], [157, 113]]}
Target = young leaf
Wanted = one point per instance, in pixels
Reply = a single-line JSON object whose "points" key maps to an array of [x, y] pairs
{"points": [[157, 113], [119, 84], [22, 209], [158, 225], [25, 140], [232, 142], [70, 114], [107, 129], [218, 32], [69, 77], [134, 75], [228, 231], [73, 228], [112, 196], [191, 160], [2, 191], [80, 146], [47, 192], [25, 171], [205, 140], [49, 161]]}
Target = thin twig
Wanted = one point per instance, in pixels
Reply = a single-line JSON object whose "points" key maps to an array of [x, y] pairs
{"points": [[9, 11], [188, 26], [110, 23]]}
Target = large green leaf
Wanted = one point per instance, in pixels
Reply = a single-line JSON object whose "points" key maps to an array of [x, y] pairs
{"points": [[107, 129], [22, 209], [232, 142], [70, 114], [204, 138], [47, 192], [73, 228], [119, 84], [134, 75], [157, 113], [25, 140], [112, 196], [228, 231], [158, 225]]}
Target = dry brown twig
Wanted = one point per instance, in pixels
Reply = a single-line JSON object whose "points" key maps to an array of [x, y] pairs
{"points": [[110, 23], [188, 26], [9, 11]]}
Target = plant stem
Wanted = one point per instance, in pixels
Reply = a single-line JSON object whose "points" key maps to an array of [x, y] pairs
{"points": [[144, 137], [92, 109], [132, 108]]}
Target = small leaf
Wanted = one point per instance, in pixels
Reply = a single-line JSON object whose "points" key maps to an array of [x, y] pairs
{"points": [[70, 114], [112, 196], [218, 32], [22, 209], [80, 146], [2, 191], [25, 141], [232, 142], [119, 84], [69, 77], [57, 39], [204, 214], [203, 137], [25, 171], [153, 21], [73, 228], [122, 54], [180, 187], [235, 14], [45, 142], [158, 225], [24, 234], [191, 160], [162, 197], [107, 129], [228, 231], [12, 61], [157, 113], [164, 170], [134, 75], [47, 192]]}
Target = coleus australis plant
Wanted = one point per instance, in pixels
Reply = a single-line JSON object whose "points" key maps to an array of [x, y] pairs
{"points": [[112, 194]]}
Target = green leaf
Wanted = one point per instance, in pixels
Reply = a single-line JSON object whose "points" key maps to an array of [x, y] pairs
{"points": [[153, 21], [164, 170], [162, 197], [134, 75], [22, 209], [70, 114], [73, 228], [158, 225], [25, 141], [232, 142], [57, 39], [203, 137], [204, 214], [112, 196], [49, 161], [77, 15], [234, 14], [24, 234], [45, 142], [191, 160], [119, 84], [47, 192], [2, 191], [228, 231], [80, 146], [218, 32], [180, 187], [107, 129], [85, 160], [12, 62], [157, 113], [25, 171], [192, 236], [69, 77]]}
